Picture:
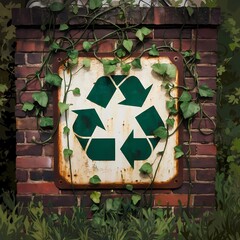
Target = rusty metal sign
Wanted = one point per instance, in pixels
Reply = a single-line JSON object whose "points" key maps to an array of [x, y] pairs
{"points": [[111, 127]]}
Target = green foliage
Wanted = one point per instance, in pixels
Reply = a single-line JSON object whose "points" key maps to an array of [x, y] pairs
{"points": [[95, 179]]}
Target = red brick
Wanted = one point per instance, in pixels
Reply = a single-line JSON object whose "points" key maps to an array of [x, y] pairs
{"points": [[48, 149], [197, 188], [30, 46], [206, 150], [60, 200], [21, 175], [206, 175], [173, 33], [34, 58], [38, 136], [204, 200], [208, 57], [203, 123], [28, 33], [206, 33], [28, 150], [33, 162], [207, 71], [37, 188], [202, 162], [199, 137], [210, 109], [20, 137], [26, 123], [24, 97], [159, 15], [19, 112], [170, 199], [19, 58], [24, 71], [186, 175]]}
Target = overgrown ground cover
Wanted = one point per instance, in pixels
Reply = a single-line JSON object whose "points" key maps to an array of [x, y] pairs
{"points": [[120, 219]]}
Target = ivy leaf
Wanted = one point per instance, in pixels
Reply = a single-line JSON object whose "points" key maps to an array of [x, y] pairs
{"points": [[197, 56], [72, 54], [66, 130], [121, 53], [135, 198], [76, 91], [55, 46], [86, 62], [128, 44], [46, 122], [126, 67], [170, 104], [46, 39], [190, 11], [171, 70], [153, 51], [205, 91], [87, 45], [185, 97], [160, 68], [141, 33], [146, 168], [41, 98], [75, 9], [93, 4], [161, 132], [63, 107], [27, 106], [178, 151], [67, 152], [95, 179], [136, 63], [56, 6], [129, 187], [95, 196], [236, 145], [189, 109], [63, 27], [170, 122], [53, 79], [109, 66]]}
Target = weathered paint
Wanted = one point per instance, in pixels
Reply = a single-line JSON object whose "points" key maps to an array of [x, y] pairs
{"points": [[111, 125]]}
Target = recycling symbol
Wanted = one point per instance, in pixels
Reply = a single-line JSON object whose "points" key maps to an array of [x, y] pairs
{"points": [[87, 120]]}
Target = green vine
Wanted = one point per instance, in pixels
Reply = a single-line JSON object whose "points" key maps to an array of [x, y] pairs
{"points": [[125, 57]]}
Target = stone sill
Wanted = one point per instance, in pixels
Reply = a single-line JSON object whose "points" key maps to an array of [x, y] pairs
{"points": [[155, 16]]}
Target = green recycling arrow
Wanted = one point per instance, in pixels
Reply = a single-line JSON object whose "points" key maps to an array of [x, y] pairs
{"points": [[136, 149], [134, 92], [104, 89], [86, 122]]}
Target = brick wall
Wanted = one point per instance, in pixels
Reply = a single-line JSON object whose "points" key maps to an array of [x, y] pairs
{"points": [[35, 163]]}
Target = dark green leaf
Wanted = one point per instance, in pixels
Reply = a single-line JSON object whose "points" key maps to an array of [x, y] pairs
{"points": [[136, 63], [135, 198], [76, 91], [95, 179], [153, 51], [126, 67], [67, 152], [178, 151], [146, 168], [189, 109], [190, 11], [53, 79], [171, 70], [129, 187], [161, 132], [75, 9], [86, 62], [63, 27], [27, 106], [121, 53], [185, 97], [170, 104], [128, 44], [72, 54], [160, 68], [93, 4], [55, 46], [46, 122], [66, 130], [205, 91], [56, 6], [170, 122], [95, 197], [87, 45], [63, 107], [41, 98]]}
